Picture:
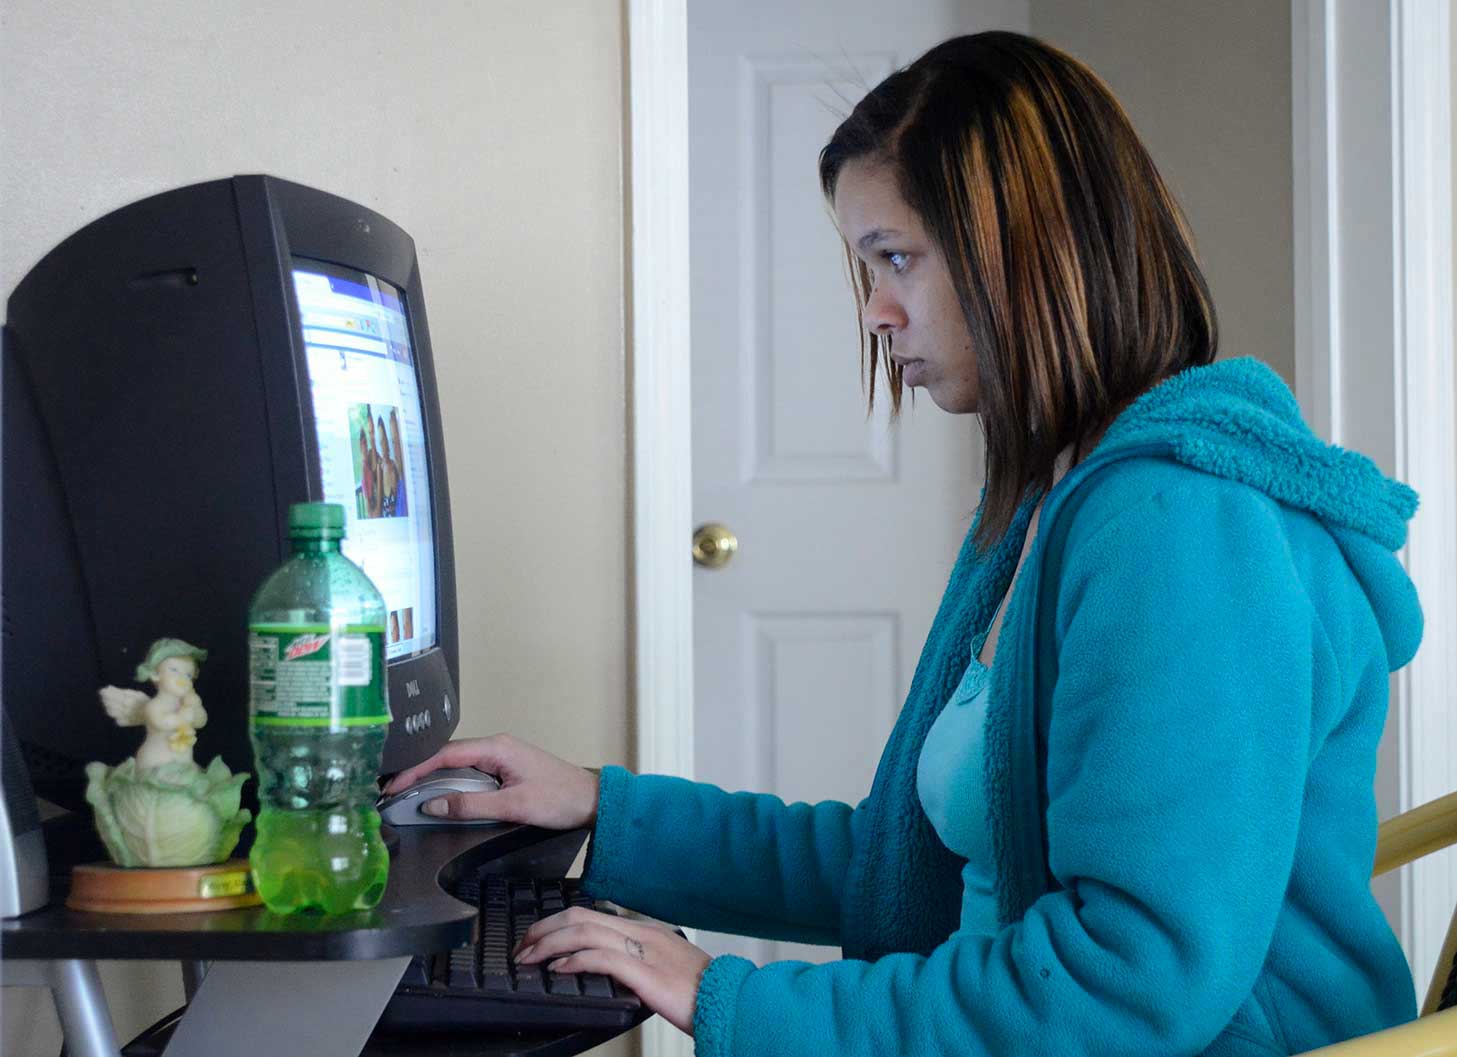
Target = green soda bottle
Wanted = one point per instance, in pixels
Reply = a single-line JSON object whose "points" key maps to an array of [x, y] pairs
{"points": [[319, 717]]}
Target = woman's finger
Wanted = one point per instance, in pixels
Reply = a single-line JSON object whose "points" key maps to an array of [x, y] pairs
{"points": [[503, 805], [575, 938], [617, 963], [664, 970], [566, 919], [643, 930], [669, 991], [471, 753]]}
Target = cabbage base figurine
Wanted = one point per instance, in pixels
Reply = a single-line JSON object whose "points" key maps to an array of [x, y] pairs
{"points": [[159, 808]]}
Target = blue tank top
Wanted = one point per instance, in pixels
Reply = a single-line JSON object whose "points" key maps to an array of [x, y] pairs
{"points": [[949, 783]]}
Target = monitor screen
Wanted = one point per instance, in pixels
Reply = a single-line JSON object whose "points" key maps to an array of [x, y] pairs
{"points": [[371, 439]]}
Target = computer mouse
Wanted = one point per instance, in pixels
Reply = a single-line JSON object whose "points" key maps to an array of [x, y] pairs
{"points": [[403, 808]]}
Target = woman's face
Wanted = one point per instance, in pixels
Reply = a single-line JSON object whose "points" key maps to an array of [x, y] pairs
{"points": [[911, 299]]}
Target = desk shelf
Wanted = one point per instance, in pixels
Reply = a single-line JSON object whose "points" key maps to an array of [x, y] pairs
{"points": [[415, 915]]}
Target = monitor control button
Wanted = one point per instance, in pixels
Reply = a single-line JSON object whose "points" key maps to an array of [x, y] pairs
{"points": [[445, 705]]}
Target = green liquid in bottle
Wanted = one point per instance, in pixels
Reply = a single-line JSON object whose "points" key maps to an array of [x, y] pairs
{"points": [[319, 718]]}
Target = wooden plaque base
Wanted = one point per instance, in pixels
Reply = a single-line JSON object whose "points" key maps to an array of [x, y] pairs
{"points": [[109, 889]]}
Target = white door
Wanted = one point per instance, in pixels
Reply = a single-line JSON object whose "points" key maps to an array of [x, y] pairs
{"points": [[806, 641]]}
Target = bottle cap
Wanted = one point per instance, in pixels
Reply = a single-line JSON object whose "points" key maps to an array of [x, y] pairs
{"points": [[316, 521]]}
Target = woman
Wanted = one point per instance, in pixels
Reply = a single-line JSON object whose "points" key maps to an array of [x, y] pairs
{"points": [[389, 474], [374, 468], [1127, 807], [366, 493], [402, 503]]}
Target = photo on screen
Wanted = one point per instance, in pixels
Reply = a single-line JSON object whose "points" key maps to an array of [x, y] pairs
{"points": [[394, 625], [379, 461]]}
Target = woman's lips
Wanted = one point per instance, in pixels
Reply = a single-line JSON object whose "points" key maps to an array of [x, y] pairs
{"points": [[911, 372]]}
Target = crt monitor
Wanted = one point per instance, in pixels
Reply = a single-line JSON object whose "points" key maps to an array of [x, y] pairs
{"points": [[176, 374]]}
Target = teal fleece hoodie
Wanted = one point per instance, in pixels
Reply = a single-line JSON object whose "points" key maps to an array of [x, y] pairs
{"points": [[1186, 700]]}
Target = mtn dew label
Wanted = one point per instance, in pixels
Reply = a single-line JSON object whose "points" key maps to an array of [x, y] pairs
{"points": [[314, 675]]}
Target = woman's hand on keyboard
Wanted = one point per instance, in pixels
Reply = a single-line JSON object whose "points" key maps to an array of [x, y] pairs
{"points": [[660, 965], [537, 788]]}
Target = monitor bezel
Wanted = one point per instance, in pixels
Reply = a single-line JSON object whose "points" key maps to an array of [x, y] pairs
{"points": [[308, 223]]}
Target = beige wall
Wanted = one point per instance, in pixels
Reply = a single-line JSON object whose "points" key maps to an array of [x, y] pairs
{"points": [[492, 132], [1208, 88]]}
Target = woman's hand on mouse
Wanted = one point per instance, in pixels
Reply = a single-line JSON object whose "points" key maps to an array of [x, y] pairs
{"points": [[660, 965], [537, 788]]}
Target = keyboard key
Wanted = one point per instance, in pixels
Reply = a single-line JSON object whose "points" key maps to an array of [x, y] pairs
{"points": [[462, 970], [596, 985], [562, 984], [495, 980], [528, 981]]}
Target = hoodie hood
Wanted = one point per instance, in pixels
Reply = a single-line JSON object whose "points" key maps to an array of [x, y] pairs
{"points": [[1238, 419]]}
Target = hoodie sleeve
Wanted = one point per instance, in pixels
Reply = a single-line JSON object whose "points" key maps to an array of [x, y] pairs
{"points": [[743, 863], [1176, 758]]}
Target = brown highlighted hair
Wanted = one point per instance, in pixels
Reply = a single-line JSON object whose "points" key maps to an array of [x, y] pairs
{"points": [[1072, 263]]}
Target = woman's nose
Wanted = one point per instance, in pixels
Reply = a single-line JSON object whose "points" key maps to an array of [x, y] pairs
{"points": [[883, 313]]}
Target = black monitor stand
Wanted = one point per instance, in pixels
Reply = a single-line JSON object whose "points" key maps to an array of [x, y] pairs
{"points": [[279, 985]]}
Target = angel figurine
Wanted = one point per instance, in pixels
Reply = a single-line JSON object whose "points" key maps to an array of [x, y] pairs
{"points": [[174, 714], [159, 808]]}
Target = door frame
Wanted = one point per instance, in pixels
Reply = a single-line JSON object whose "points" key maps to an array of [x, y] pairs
{"points": [[1336, 299], [662, 399], [661, 486], [1374, 344]]}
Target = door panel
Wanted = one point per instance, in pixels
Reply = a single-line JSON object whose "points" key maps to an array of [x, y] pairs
{"points": [[848, 525]]}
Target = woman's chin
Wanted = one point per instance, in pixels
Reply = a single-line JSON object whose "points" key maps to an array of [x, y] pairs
{"points": [[951, 401]]}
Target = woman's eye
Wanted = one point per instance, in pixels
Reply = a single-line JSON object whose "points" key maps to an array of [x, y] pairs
{"points": [[897, 261]]}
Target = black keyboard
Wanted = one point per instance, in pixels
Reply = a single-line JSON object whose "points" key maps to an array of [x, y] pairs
{"points": [[480, 986]]}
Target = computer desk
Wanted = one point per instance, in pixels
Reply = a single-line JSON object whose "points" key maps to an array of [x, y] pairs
{"points": [[277, 986]]}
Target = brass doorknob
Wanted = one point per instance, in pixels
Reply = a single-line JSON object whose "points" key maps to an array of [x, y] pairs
{"points": [[714, 545]]}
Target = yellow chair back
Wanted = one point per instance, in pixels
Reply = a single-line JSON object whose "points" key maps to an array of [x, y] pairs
{"points": [[1405, 839]]}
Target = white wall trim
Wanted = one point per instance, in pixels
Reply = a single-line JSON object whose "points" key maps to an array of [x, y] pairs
{"points": [[1426, 447], [662, 397], [1317, 245], [657, 39], [1374, 343]]}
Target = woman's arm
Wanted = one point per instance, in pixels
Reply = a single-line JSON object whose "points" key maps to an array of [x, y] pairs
{"points": [[1177, 756], [745, 863], [680, 850]]}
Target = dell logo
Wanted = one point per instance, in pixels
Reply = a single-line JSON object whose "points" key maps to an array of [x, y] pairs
{"points": [[412, 688]]}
